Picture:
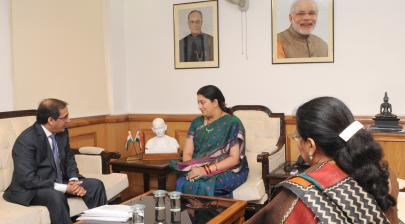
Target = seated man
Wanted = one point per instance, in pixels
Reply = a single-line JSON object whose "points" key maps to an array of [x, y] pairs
{"points": [[45, 171], [161, 143]]}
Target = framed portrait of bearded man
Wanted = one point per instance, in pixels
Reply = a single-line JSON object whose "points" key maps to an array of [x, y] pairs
{"points": [[196, 35], [302, 31]]}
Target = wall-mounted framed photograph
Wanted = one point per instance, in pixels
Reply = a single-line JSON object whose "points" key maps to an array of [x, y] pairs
{"points": [[196, 35], [302, 31]]}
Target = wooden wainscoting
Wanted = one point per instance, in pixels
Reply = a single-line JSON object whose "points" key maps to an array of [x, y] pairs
{"points": [[110, 132]]}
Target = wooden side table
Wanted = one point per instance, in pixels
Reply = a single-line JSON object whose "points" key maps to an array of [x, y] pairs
{"points": [[160, 168]]}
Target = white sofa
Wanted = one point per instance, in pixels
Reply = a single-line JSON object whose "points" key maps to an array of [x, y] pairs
{"points": [[91, 164]]}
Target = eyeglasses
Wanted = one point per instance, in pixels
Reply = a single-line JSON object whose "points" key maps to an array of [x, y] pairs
{"points": [[296, 137], [64, 118]]}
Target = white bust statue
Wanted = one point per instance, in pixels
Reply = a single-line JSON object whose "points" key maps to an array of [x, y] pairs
{"points": [[161, 143]]}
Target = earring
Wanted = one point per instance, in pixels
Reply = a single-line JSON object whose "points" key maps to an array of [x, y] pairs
{"points": [[310, 157]]}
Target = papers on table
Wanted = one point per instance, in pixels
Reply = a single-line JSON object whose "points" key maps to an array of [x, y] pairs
{"points": [[115, 213]]}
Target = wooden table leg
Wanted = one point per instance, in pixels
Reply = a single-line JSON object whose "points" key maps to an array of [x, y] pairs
{"points": [[162, 182], [146, 186]]}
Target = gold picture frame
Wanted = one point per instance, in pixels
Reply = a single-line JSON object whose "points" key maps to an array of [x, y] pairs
{"points": [[196, 35], [299, 38]]}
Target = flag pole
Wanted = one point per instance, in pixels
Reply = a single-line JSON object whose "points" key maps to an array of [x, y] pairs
{"points": [[138, 155]]}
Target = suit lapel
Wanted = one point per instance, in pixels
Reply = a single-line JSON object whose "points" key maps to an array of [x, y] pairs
{"points": [[44, 145]]}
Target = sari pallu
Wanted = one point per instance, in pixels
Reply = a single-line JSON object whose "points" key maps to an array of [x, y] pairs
{"points": [[212, 144], [333, 197]]}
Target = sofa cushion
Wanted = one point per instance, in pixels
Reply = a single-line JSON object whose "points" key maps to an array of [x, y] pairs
{"points": [[252, 189], [76, 206], [114, 183], [89, 163], [11, 213]]}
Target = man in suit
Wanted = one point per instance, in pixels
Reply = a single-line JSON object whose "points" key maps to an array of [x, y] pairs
{"points": [[45, 171], [197, 46]]}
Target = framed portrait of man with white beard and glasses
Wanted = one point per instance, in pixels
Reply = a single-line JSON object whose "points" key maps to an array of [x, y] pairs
{"points": [[302, 31]]}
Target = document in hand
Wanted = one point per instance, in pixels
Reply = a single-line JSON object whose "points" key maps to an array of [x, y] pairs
{"points": [[116, 213]]}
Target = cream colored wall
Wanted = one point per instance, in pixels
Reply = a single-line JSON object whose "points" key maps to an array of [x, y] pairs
{"points": [[369, 59], [6, 87], [58, 51], [128, 66]]}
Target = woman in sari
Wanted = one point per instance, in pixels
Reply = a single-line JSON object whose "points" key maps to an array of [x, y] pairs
{"points": [[214, 161], [347, 181]]}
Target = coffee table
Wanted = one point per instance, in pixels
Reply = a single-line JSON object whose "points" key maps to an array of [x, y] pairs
{"points": [[194, 210]]}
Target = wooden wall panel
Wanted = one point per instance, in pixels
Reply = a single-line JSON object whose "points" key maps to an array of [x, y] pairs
{"points": [[89, 135], [110, 132], [394, 151], [117, 135]]}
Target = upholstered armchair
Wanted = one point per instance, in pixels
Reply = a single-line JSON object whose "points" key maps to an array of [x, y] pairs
{"points": [[265, 150]]}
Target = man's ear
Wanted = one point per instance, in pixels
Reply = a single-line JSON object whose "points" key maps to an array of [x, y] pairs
{"points": [[50, 119], [290, 17]]}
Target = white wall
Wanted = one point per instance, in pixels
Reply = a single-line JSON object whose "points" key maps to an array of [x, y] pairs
{"points": [[6, 89], [58, 50], [116, 56], [369, 43]]}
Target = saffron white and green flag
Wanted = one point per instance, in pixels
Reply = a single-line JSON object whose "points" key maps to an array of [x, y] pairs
{"points": [[139, 139], [129, 140]]}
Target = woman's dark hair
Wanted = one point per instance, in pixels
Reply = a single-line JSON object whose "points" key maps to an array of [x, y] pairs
{"points": [[49, 108], [212, 93], [323, 119]]}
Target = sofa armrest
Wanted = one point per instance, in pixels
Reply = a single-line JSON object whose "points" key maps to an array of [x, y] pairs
{"points": [[105, 158]]}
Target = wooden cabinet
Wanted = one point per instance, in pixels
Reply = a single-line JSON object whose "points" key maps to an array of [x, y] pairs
{"points": [[394, 151]]}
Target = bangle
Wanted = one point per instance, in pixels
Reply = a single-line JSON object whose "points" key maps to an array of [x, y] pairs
{"points": [[216, 168], [205, 169], [209, 169]]}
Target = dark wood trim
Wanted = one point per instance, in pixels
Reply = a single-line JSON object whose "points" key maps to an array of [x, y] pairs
{"points": [[166, 117], [103, 119], [290, 119], [17, 113]]}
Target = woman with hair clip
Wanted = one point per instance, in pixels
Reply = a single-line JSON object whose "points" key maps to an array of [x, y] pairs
{"points": [[214, 161], [347, 181]]}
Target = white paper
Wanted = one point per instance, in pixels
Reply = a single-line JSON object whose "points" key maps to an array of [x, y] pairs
{"points": [[116, 211], [101, 218]]}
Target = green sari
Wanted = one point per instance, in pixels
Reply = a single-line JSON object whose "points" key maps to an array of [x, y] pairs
{"points": [[212, 144]]}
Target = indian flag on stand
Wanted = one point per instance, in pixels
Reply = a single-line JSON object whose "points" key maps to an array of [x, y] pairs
{"points": [[129, 140], [139, 138]]}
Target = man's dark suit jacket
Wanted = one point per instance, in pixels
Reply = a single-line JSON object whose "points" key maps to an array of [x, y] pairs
{"points": [[34, 166]]}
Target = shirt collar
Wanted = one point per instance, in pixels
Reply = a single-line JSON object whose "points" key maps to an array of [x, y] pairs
{"points": [[47, 132]]}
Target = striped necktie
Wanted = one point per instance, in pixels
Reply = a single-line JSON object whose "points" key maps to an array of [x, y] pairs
{"points": [[55, 153]]}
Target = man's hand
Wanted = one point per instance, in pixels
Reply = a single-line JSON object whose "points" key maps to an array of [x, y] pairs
{"points": [[74, 188]]}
